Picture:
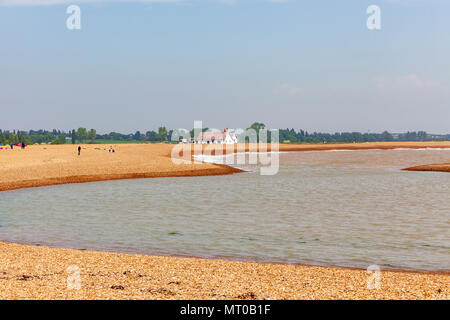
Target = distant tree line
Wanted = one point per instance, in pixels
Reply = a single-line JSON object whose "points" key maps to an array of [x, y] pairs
{"points": [[162, 135], [80, 135], [83, 135], [302, 136], [32, 136]]}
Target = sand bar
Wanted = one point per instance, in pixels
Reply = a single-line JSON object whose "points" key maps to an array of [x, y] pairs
{"points": [[30, 272], [44, 165], [60, 164], [442, 167]]}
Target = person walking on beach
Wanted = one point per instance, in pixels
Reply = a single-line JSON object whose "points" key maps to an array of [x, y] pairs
{"points": [[79, 150]]}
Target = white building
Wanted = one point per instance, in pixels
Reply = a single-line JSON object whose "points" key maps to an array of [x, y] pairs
{"points": [[184, 141], [217, 137]]}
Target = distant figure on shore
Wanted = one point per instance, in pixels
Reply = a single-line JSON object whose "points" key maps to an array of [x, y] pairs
{"points": [[12, 146], [23, 145], [111, 149], [79, 150]]}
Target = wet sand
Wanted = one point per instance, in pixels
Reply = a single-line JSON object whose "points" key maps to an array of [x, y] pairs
{"points": [[29, 272]]}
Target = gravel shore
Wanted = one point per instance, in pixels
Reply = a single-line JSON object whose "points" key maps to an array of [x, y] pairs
{"points": [[28, 272]]}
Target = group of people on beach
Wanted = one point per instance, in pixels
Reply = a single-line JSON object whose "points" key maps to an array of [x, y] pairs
{"points": [[22, 145]]}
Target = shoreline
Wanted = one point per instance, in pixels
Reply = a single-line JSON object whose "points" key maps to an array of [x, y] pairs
{"points": [[26, 184], [230, 259], [50, 167]]}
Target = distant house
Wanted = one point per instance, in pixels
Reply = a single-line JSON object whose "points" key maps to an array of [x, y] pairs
{"points": [[217, 137]]}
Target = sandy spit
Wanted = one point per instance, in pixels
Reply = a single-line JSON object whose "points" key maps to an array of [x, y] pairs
{"points": [[444, 167], [31, 272], [60, 164], [44, 165]]}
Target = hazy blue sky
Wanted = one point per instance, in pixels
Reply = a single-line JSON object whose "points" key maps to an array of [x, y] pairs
{"points": [[136, 65]]}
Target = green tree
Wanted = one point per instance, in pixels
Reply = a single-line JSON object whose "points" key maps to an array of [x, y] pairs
{"points": [[82, 134], [74, 137], [151, 136], [162, 134], [62, 138], [92, 134], [386, 136], [137, 136], [257, 126]]}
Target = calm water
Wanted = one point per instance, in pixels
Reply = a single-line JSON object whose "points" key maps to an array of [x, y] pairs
{"points": [[347, 208]]}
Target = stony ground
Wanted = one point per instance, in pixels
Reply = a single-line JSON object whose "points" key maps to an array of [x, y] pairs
{"points": [[28, 272]]}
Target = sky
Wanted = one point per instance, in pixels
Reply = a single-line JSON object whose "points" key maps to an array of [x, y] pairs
{"points": [[313, 65]]}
